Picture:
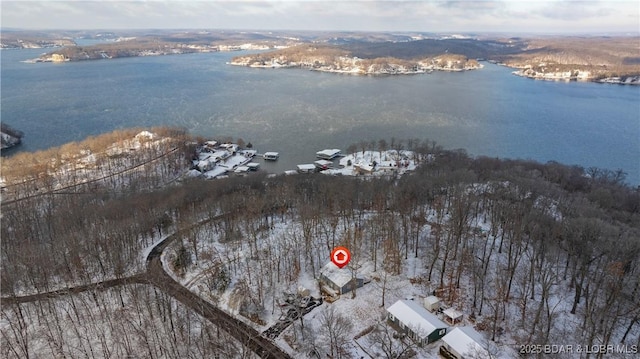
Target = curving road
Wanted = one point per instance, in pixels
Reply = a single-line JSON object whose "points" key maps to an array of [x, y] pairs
{"points": [[156, 275], [246, 335]]}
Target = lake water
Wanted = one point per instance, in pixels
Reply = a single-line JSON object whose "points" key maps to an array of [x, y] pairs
{"points": [[298, 112]]}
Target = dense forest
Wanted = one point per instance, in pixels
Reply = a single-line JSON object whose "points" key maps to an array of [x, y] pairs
{"points": [[550, 229]]}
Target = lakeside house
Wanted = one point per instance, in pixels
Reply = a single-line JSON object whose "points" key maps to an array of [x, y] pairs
{"points": [[214, 160], [410, 318]]}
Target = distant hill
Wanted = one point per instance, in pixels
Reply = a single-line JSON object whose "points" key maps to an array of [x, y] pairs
{"points": [[555, 57], [470, 48], [601, 56], [606, 59], [364, 58]]}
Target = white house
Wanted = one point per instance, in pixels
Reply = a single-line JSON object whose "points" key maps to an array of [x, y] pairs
{"points": [[338, 280], [415, 321], [464, 343]]}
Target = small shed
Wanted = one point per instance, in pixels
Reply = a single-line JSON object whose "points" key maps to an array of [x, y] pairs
{"points": [[432, 303], [415, 321], [452, 316], [464, 343], [339, 280]]}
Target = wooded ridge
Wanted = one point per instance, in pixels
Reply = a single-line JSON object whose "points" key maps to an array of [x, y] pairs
{"points": [[516, 244]]}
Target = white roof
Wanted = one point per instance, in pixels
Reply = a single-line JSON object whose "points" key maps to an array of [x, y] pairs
{"points": [[249, 152], [328, 152], [217, 171], [414, 316], [452, 313], [364, 167], [145, 134], [323, 163], [338, 276], [466, 341], [270, 154], [193, 173], [241, 169], [308, 167], [432, 299], [220, 154]]}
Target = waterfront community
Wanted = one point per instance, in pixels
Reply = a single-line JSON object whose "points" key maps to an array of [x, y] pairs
{"points": [[405, 191], [220, 160]]}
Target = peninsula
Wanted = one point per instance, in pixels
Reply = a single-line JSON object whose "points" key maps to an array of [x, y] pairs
{"points": [[331, 59], [607, 59]]}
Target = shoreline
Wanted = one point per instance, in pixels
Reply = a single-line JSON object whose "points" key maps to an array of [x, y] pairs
{"points": [[357, 70], [568, 76]]}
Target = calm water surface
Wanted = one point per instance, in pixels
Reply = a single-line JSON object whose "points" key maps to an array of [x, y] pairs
{"points": [[298, 112]]}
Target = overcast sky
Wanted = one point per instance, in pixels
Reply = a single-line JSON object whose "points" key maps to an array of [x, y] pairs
{"points": [[558, 16]]}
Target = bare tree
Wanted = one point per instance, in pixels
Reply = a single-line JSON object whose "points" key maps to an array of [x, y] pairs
{"points": [[392, 347], [336, 329]]}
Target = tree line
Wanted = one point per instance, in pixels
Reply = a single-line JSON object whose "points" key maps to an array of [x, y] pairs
{"points": [[490, 234]]}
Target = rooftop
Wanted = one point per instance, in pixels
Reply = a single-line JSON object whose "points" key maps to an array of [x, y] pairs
{"points": [[466, 340], [338, 276], [328, 154], [416, 317]]}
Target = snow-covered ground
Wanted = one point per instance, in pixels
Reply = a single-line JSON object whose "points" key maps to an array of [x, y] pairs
{"points": [[244, 265], [266, 259], [376, 163], [134, 321]]}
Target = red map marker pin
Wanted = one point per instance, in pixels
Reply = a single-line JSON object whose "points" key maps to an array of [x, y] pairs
{"points": [[340, 256]]}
